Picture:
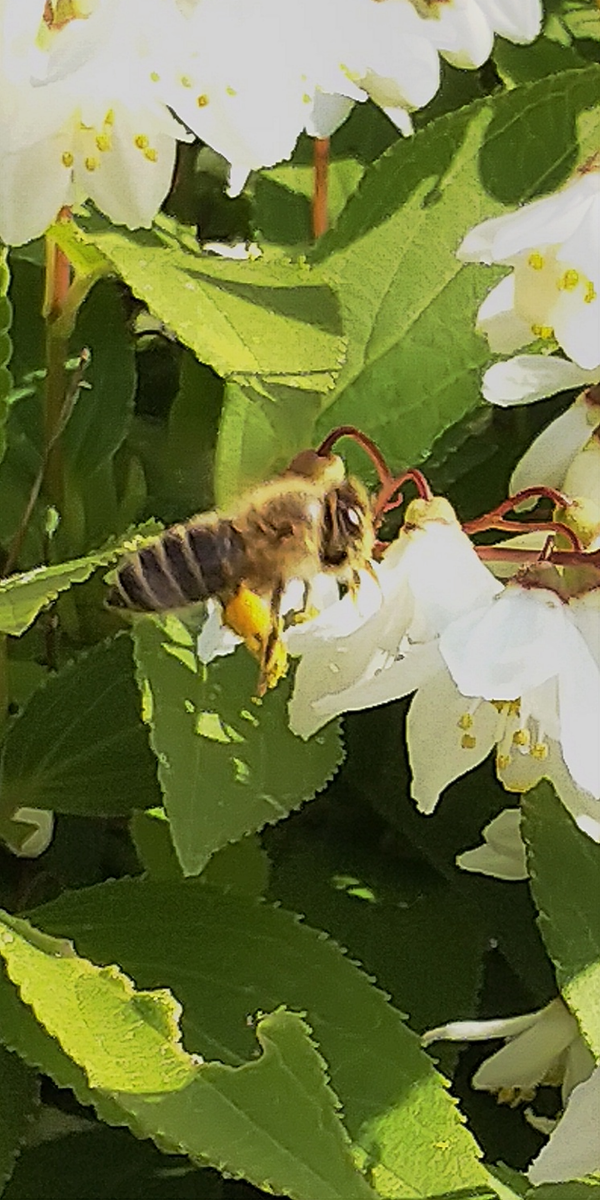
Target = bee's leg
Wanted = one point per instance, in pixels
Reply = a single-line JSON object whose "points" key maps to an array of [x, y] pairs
{"points": [[274, 657], [253, 620]]}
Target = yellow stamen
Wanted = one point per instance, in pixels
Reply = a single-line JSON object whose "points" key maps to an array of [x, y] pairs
{"points": [[468, 742], [539, 751], [569, 281], [502, 761], [67, 159], [90, 163], [185, 81], [154, 76], [536, 261], [103, 142], [110, 117], [151, 154], [465, 721], [590, 293], [521, 737], [230, 91], [141, 141], [543, 331], [202, 101]]}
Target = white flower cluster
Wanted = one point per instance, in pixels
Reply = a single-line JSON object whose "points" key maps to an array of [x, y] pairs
{"points": [[552, 293], [513, 668], [96, 93]]}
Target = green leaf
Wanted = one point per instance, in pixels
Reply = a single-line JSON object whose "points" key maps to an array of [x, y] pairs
{"points": [[523, 64], [225, 957], [23, 596], [100, 419], [392, 912], [108, 1164], [565, 870], [125, 1040], [414, 359], [104, 408], [79, 745], [6, 379], [273, 1121], [19, 1097], [261, 431], [572, 1190], [500, 911], [227, 765], [582, 19], [284, 193], [245, 319]]}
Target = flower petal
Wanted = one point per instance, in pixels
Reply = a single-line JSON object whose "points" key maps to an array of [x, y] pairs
{"points": [[529, 377], [435, 744], [514, 644], [517, 20], [574, 1147], [27, 205], [551, 453], [527, 1058], [504, 328], [523, 772], [502, 853], [579, 708]]}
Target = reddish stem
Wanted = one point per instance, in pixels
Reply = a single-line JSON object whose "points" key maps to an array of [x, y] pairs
{"points": [[361, 439], [560, 558], [320, 217], [494, 519]]}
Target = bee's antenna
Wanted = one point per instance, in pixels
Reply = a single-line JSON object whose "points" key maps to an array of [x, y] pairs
{"points": [[362, 439]]}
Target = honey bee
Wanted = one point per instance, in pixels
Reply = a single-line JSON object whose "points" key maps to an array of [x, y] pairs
{"points": [[313, 518]]}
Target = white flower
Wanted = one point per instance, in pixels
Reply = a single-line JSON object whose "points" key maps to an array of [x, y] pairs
{"points": [[463, 30], [529, 377], [541, 1047], [565, 454], [574, 1146], [515, 669], [237, 82], [502, 853], [537, 658], [554, 290], [356, 655], [81, 117], [29, 831], [255, 76], [384, 49], [516, 20]]}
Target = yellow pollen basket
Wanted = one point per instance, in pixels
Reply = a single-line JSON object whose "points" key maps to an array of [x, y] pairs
{"points": [[250, 617]]}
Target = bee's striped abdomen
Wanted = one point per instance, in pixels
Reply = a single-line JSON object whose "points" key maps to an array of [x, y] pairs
{"points": [[187, 564]]}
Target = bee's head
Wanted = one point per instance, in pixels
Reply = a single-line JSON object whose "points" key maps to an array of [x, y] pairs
{"points": [[347, 533]]}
